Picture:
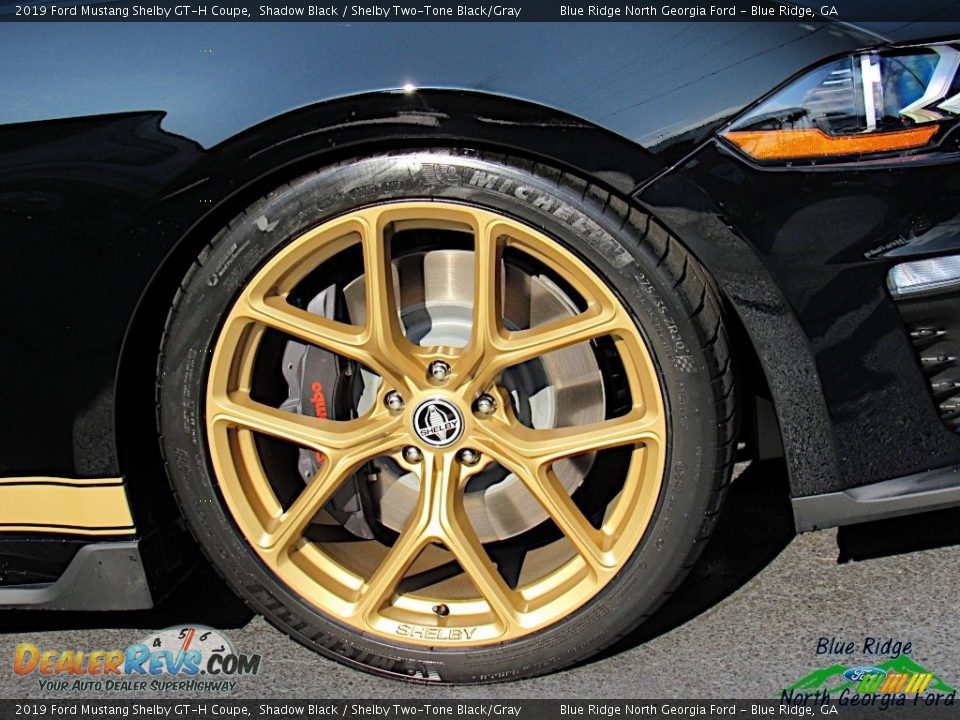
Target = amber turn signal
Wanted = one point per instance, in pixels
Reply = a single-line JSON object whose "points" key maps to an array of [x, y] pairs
{"points": [[814, 143]]}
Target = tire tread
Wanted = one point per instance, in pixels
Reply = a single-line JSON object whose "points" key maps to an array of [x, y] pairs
{"points": [[705, 310]]}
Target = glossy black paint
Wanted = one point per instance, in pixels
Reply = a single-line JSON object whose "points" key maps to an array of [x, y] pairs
{"points": [[71, 277], [656, 84], [825, 237], [68, 191], [103, 209], [933, 26], [25, 560]]}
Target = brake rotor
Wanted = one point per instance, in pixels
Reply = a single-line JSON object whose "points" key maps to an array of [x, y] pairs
{"points": [[475, 562], [561, 389]]}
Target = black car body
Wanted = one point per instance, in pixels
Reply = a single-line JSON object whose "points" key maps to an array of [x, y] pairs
{"points": [[123, 148]]}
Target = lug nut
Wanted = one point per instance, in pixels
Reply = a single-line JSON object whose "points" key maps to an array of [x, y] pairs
{"points": [[469, 457], [412, 454], [439, 370], [486, 404], [394, 401]]}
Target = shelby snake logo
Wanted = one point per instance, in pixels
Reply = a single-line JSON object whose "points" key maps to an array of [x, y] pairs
{"points": [[438, 423], [177, 651]]}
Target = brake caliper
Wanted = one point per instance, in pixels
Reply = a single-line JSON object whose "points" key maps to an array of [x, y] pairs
{"points": [[321, 384]]}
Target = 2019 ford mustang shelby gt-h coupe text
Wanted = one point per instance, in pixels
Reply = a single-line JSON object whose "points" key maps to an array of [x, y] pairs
{"points": [[441, 343]]}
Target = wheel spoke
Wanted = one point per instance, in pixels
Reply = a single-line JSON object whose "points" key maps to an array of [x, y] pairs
{"points": [[414, 537], [277, 314], [337, 466], [538, 448], [238, 409], [290, 526], [487, 286], [466, 547], [548, 491], [542, 483], [487, 301], [390, 571], [454, 530], [373, 346], [383, 317], [446, 572], [523, 345], [439, 517], [530, 453], [340, 338]]}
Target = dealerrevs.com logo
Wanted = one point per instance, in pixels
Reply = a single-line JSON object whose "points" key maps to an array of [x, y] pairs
{"points": [[191, 658]]}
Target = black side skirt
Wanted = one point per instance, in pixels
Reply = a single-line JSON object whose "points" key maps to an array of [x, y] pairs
{"points": [[101, 576], [925, 491]]}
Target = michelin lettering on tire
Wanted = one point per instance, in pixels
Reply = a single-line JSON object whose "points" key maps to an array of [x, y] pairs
{"points": [[627, 316]]}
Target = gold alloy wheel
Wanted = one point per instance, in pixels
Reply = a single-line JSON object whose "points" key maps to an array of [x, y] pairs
{"points": [[436, 432]]}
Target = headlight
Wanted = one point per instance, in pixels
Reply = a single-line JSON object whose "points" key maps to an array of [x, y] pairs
{"points": [[924, 276], [875, 103]]}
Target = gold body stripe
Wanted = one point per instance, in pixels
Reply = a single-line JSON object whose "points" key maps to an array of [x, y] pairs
{"points": [[92, 506]]}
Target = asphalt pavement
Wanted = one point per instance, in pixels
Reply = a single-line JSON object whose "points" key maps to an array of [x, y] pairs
{"points": [[746, 623]]}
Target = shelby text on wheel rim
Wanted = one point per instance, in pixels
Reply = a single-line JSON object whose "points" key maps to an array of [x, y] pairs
{"points": [[442, 415]]}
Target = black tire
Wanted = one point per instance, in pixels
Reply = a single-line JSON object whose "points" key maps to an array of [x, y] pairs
{"points": [[668, 293]]}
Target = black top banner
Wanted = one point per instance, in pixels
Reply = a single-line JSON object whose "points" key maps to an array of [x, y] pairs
{"points": [[347, 11], [384, 709]]}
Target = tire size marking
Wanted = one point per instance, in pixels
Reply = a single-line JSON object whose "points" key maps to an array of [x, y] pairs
{"points": [[682, 359], [234, 252]]}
